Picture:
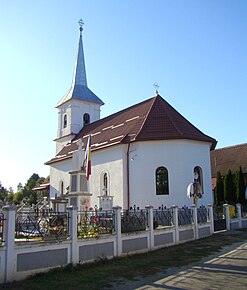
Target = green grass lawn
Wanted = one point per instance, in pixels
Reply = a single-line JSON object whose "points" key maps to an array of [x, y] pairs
{"points": [[99, 275]]}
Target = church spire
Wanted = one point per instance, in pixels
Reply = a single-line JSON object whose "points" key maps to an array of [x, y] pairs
{"points": [[79, 89], [80, 77], [80, 106]]}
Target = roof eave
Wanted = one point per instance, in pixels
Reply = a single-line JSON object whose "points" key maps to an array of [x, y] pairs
{"points": [[54, 160], [213, 141]]}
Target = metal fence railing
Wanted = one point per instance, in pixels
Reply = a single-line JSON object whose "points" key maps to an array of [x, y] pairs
{"points": [[218, 212], [1, 227], [163, 217], [244, 210], [185, 216], [202, 215], [45, 225], [93, 222], [133, 220]]}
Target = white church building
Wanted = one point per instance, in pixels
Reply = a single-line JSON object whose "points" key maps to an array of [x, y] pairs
{"points": [[146, 154]]}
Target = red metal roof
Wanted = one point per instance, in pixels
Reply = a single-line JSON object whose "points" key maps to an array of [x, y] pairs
{"points": [[153, 119], [231, 157]]}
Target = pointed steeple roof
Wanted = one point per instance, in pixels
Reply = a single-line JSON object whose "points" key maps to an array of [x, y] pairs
{"points": [[79, 89], [80, 77]]}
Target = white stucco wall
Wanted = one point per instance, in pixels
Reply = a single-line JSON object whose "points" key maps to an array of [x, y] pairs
{"points": [[75, 110], [179, 157], [110, 161], [59, 171]]}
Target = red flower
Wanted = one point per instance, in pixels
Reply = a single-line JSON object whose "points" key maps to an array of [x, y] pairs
{"points": [[86, 207], [96, 219]]}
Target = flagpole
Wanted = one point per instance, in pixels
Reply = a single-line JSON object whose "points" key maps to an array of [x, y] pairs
{"points": [[88, 157]]}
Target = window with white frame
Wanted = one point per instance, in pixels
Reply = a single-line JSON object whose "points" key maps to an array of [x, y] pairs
{"points": [[105, 184], [86, 119], [162, 184], [65, 121]]}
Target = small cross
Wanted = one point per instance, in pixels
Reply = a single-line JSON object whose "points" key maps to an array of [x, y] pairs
{"points": [[81, 23], [156, 87]]}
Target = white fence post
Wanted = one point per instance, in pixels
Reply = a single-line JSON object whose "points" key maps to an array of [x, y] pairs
{"points": [[227, 214], [194, 212], [149, 208], [74, 256], [210, 218], [9, 242], [117, 210], [239, 215], [175, 222]]}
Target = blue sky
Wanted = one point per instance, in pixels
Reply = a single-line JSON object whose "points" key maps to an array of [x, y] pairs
{"points": [[196, 50]]}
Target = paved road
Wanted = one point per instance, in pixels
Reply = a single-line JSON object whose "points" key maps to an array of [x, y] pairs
{"points": [[223, 271], [228, 271]]}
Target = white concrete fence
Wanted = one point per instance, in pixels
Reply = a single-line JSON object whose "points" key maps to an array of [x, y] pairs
{"points": [[236, 222], [21, 259]]}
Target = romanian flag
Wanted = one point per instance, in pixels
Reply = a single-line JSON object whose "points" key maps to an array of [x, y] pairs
{"points": [[88, 157]]}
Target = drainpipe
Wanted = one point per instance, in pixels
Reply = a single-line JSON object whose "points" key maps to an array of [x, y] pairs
{"points": [[128, 176]]}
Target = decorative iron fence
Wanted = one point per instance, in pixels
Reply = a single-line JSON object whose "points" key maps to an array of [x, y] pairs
{"points": [[133, 220], [244, 210], [185, 216], [219, 212], [219, 218], [45, 225], [163, 217], [93, 222], [202, 215], [1, 227]]}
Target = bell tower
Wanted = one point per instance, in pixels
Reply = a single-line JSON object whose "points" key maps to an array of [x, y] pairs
{"points": [[80, 106]]}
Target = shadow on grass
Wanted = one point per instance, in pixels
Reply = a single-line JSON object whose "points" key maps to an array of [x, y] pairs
{"points": [[102, 273]]}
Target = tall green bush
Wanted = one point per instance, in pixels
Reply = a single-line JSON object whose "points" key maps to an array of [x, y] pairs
{"points": [[219, 190], [240, 186], [229, 188]]}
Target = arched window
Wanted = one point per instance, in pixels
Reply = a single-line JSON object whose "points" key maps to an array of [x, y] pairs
{"points": [[198, 179], [86, 119], [65, 121], [105, 184], [162, 184]]}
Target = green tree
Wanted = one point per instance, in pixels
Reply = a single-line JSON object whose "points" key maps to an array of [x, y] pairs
{"points": [[3, 192], [47, 179], [219, 190], [10, 197], [18, 197], [39, 181], [33, 198], [229, 188], [240, 186], [10, 190], [27, 191], [19, 187], [31, 182]]}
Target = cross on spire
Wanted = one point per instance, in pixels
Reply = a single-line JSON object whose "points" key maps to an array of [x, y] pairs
{"points": [[156, 87], [81, 23]]}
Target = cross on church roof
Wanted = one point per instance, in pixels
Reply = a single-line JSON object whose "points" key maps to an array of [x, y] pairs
{"points": [[81, 23], [156, 87]]}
